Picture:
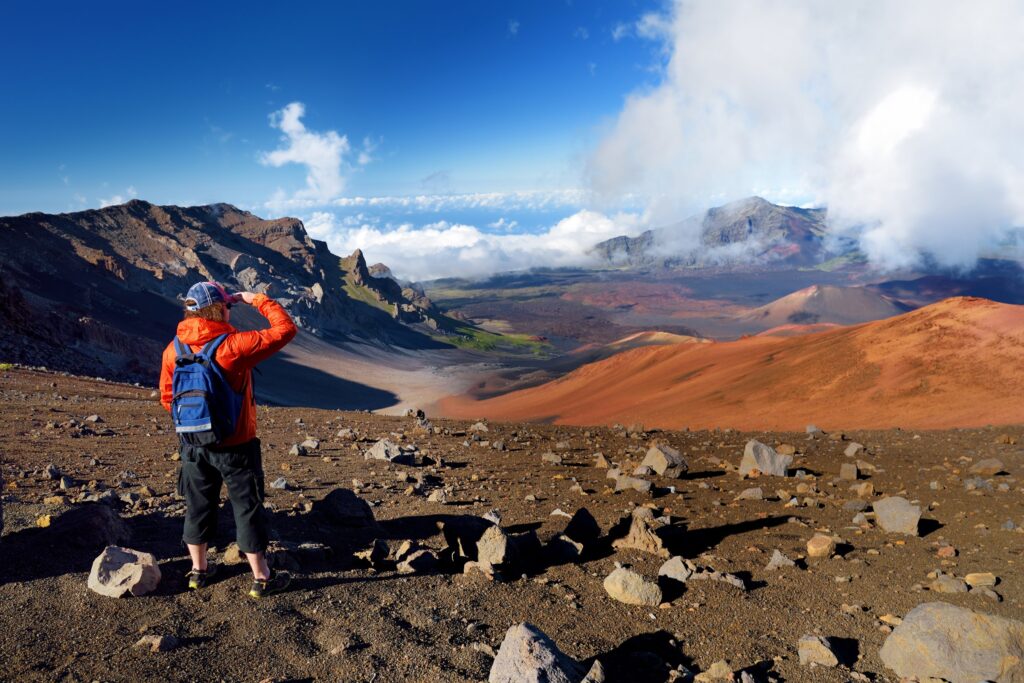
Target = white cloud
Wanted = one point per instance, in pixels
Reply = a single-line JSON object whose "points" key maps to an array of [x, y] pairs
{"points": [[620, 31], [526, 200], [581, 32], [903, 117], [323, 154], [444, 249], [513, 27], [504, 224], [128, 195]]}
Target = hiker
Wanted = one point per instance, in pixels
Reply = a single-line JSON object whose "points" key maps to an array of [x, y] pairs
{"points": [[214, 413]]}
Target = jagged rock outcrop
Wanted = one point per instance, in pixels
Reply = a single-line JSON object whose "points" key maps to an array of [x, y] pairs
{"points": [[130, 263]]}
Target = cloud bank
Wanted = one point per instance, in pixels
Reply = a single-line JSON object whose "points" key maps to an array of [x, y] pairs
{"points": [[904, 118], [444, 249]]}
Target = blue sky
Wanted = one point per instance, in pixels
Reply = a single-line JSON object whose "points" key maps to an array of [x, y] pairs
{"points": [[170, 102], [465, 137]]}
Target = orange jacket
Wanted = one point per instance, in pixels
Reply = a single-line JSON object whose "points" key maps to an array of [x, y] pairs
{"points": [[237, 356]]}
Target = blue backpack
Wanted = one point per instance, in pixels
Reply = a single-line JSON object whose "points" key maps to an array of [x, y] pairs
{"points": [[204, 407]]}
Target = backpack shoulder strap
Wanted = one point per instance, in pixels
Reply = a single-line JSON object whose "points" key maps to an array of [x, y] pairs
{"points": [[180, 349], [210, 350]]}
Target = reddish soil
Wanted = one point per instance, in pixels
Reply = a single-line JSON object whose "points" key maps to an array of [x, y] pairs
{"points": [[956, 363]]}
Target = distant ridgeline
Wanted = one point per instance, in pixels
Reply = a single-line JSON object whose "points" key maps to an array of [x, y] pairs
{"points": [[750, 231], [96, 291]]}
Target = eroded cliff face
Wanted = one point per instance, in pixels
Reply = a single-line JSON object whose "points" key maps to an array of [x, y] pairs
{"points": [[105, 284]]}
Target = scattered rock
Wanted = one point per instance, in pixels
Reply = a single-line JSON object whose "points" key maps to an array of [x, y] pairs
{"points": [[158, 643], [624, 483], [625, 585], [643, 535], [665, 461], [989, 467], [948, 584], [816, 650], [297, 450], [761, 459], [821, 546], [310, 444], [281, 484], [417, 562], [896, 515], [385, 449], [719, 671], [527, 655], [121, 571], [553, 458], [677, 569], [981, 580], [848, 471], [751, 494], [345, 508], [943, 641], [779, 561], [583, 528], [853, 449], [375, 555]]}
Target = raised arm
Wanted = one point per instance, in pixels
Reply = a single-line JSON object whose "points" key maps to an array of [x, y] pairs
{"points": [[246, 349]]}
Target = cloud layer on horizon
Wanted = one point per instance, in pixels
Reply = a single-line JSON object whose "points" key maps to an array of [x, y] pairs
{"points": [[903, 118], [443, 249]]}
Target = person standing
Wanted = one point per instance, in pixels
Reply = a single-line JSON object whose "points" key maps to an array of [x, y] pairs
{"points": [[222, 450]]}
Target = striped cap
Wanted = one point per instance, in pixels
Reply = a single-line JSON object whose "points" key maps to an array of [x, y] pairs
{"points": [[203, 294]]}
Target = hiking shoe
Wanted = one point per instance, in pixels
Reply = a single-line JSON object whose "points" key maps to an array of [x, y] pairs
{"points": [[277, 582], [197, 578]]}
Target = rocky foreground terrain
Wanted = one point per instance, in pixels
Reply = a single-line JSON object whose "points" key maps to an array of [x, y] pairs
{"points": [[423, 565]]}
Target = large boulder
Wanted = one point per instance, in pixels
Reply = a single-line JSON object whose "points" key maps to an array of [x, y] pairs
{"points": [[665, 461], [625, 585], [527, 655], [940, 640], [761, 459], [123, 571], [896, 515], [344, 508]]}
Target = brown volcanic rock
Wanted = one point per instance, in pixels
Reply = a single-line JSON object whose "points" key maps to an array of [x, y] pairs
{"points": [[96, 291], [953, 363]]}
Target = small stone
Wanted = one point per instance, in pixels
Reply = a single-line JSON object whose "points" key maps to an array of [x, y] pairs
{"points": [[848, 471], [779, 561], [297, 449], [981, 579], [946, 551], [751, 494], [948, 584], [897, 515], [853, 449], [158, 643], [989, 467], [821, 546], [552, 458], [625, 585], [310, 444], [677, 569], [280, 484], [816, 650], [417, 562], [719, 671]]}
